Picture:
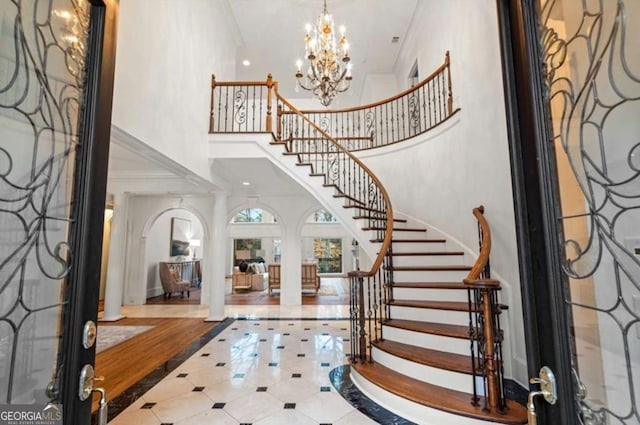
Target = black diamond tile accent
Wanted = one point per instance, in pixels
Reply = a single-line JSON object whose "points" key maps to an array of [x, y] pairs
{"points": [[166, 423], [182, 375], [273, 364], [326, 423], [218, 405], [301, 355], [325, 364], [247, 334], [148, 405], [343, 329], [325, 324], [235, 347], [198, 389], [346, 339], [234, 329], [238, 375], [205, 355], [280, 347], [269, 329], [222, 340], [220, 364], [296, 375], [289, 405], [290, 324], [325, 334], [256, 324], [307, 329], [263, 339], [261, 389], [253, 355], [304, 340], [246, 423], [286, 334], [325, 389]]}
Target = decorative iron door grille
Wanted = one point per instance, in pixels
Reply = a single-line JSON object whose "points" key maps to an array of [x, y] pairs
{"points": [[42, 55], [592, 58]]}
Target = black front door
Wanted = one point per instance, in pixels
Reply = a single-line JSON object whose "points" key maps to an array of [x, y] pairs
{"points": [[55, 102], [572, 73]]}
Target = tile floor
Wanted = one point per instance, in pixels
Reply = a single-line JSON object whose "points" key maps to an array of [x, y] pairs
{"points": [[257, 372]]}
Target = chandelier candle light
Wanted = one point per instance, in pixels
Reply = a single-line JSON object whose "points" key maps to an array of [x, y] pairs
{"points": [[329, 70]]}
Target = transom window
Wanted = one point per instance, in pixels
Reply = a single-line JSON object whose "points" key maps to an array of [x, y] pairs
{"points": [[253, 215]]}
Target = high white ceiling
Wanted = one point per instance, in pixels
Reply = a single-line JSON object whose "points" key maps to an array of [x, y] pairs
{"points": [[272, 33]]}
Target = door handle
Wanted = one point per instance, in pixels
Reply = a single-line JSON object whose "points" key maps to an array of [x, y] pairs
{"points": [[87, 379], [548, 391]]}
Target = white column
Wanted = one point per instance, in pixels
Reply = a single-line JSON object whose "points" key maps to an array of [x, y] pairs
{"points": [[217, 247], [117, 256], [290, 278]]}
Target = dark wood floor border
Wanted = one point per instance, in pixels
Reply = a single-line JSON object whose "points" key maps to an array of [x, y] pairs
{"points": [[127, 397], [293, 318]]}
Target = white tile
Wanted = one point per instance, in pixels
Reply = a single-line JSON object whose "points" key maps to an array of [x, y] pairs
{"points": [[355, 418], [325, 407], [178, 408], [168, 388], [211, 416], [287, 417], [253, 407], [136, 416]]}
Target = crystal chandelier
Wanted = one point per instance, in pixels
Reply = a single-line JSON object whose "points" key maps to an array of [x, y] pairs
{"points": [[329, 70]]}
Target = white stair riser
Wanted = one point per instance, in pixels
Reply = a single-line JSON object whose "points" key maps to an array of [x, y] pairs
{"points": [[425, 294], [430, 315], [435, 342], [441, 377], [410, 410], [429, 275], [408, 234], [418, 246], [427, 260]]}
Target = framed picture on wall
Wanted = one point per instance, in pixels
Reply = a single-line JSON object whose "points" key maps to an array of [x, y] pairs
{"points": [[180, 235]]}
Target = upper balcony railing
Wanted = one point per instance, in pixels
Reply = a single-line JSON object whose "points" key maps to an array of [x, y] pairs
{"points": [[246, 107], [401, 117]]}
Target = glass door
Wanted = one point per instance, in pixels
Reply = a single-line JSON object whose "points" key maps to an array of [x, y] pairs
{"points": [[48, 95], [592, 54], [572, 72]]}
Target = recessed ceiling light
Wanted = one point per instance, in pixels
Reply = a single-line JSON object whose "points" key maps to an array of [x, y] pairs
{"points": [[246, 62], [246, 184]]}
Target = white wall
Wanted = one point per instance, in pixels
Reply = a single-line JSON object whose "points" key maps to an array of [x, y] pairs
{"points": [[148, 230], [378, 87], [164, 64], [439, 178]]}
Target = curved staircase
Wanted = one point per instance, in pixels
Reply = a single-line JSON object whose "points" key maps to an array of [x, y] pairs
{"points": [[425, 331]]}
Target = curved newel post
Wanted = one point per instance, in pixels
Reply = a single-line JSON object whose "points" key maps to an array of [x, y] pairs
{"points": [[211, 112], [484, 324]]}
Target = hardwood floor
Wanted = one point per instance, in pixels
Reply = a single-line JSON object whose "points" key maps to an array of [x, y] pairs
{"points": [[128, 362]]}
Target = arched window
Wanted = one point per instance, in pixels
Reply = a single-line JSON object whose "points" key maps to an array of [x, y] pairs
{"points": [[322, 216], [253, 215]]}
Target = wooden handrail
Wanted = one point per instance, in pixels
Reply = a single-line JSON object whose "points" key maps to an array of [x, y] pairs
{"points": [[389, 99], [386, 243], [485, 250]]}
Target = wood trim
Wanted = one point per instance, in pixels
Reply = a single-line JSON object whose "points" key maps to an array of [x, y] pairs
{"points": [[485, 251]]}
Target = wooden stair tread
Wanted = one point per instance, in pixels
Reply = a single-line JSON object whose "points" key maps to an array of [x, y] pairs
{"points": [[426, 253], [434, 305], [430, 285], [425, 356], [430, 268], [436, 397], [412, 240], [441, 329], [364, 217], [396, 229], [363, 208]]}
